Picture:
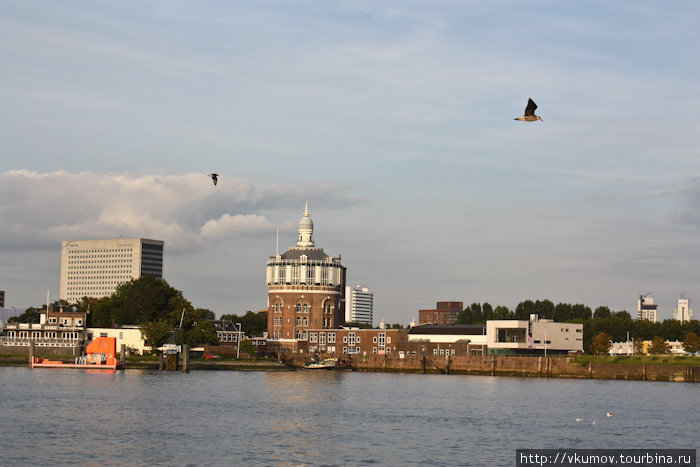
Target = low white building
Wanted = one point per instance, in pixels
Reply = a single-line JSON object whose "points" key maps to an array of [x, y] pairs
{"points": [[533, 337], [131, 336]]}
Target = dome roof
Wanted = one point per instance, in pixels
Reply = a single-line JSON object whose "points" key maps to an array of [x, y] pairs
{"points": [[306, 223]]}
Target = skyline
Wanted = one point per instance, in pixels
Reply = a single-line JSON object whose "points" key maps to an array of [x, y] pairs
{"points": [[395, 123]]}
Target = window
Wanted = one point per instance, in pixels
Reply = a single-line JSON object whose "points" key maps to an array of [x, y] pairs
{"points": [[306, 307], [345, 339], [434, 351], [331, 338], [298, 307], [345, 350], [374, 340]]}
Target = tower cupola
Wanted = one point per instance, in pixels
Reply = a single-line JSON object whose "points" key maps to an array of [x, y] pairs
{"points": [[306, 230]]}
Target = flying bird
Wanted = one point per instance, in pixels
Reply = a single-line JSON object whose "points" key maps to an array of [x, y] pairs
{"points": [[529, 113], [579, 419], [609, 414], [214, 178]]}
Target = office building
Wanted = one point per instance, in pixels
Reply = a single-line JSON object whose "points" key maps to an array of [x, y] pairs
{"points": [[646, 308], [306, 290], [359, 305], [94, 268], [683, 312]]}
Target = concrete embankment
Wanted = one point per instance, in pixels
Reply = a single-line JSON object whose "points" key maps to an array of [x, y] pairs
{"points": [[553, 367]]}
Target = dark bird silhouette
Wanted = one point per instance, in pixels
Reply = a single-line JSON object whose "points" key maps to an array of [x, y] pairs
{"points": [[214, 178], [529, 113]]}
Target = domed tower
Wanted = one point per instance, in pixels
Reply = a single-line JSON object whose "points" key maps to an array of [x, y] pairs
{"points": [[306, 290]]}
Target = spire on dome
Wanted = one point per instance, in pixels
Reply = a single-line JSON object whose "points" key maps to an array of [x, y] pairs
{"points": [[306, 230]]}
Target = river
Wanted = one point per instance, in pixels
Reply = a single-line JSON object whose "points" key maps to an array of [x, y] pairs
{"points": [[145, 417]]}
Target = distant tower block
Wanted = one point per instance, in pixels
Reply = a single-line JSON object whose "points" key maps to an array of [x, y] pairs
{"points": [[646, 309], [359, 305], [305, 290], [683, 312]]}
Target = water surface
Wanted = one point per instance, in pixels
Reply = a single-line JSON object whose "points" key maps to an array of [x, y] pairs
{"points": [[144, 417]]}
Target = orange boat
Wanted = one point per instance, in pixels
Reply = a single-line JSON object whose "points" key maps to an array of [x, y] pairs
{"points": [[101, 354]]}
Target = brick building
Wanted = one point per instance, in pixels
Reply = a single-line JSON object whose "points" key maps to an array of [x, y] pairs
{"points": [[444, 313], [306, 290], [353, 341]]}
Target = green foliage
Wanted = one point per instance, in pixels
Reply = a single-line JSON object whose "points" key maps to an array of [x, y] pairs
{"points": [[691, 343], [30, 315], [140, 300], [157, 333], [601, 312], [252, 324], [638, 345], [199, 333], [248, 347]]}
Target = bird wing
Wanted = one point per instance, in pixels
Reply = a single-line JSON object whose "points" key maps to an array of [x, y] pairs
{"points": [[531, 106]]}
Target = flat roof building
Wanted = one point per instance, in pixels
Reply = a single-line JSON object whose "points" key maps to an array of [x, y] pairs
{"points": [[359, 305], [94, 268]]}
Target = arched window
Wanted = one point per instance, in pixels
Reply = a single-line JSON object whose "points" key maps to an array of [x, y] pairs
{"points": [[298, 321], [298, 308], [305, 321], [306, 307]]}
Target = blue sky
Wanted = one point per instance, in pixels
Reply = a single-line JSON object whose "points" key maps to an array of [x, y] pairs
{"points": [[394, 120]]}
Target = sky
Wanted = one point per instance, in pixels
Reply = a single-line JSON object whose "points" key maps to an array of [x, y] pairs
{"points": [[392, 119]]}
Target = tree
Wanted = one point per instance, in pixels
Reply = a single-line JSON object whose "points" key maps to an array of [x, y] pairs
{"points": [[638, 345], [252, 324], [601, 344], [524, 310], [198, 333], [601, 312], [623, 314], [691, 343], [248, 347], [545, 309], [658, 346], [139, 300], [157, 333]]}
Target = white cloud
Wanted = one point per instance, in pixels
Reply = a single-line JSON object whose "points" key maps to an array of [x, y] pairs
{"points": [[228, 225], [42, 209]]}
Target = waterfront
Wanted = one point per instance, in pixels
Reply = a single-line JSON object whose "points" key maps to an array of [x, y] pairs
{"points": [[144, 417]]}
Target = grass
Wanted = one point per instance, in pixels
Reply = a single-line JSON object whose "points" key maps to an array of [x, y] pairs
{"points": [[684, 360]]}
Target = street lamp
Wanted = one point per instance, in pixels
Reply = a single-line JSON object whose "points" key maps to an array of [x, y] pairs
{"points": [[238, 339]]}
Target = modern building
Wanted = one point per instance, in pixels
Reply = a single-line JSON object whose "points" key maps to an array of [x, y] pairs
{"points": [[359, 305], [683, 312], [306, 290], [94, 268], [533, 337], [646, 308], [444, 313]]}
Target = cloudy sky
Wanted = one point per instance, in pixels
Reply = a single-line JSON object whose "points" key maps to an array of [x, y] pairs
{"points": [[393, 119]]}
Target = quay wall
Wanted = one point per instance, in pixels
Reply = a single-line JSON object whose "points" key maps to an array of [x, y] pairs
{"points": [[507, 365]]}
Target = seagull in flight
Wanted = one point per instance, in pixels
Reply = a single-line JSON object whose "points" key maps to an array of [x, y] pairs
{"points": [[214, 178], [579, 419], [609, 414], [529, 113]]}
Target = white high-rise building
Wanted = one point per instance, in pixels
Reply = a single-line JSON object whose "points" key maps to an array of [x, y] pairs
{"points": [[683, 312], [94, 268], [646, 309], [359, 304]]}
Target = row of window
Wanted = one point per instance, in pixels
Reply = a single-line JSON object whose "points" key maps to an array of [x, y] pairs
{"points": [[42, 335]]}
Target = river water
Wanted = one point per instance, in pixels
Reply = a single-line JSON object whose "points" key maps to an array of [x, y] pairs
{"points": [[144, 417]]}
